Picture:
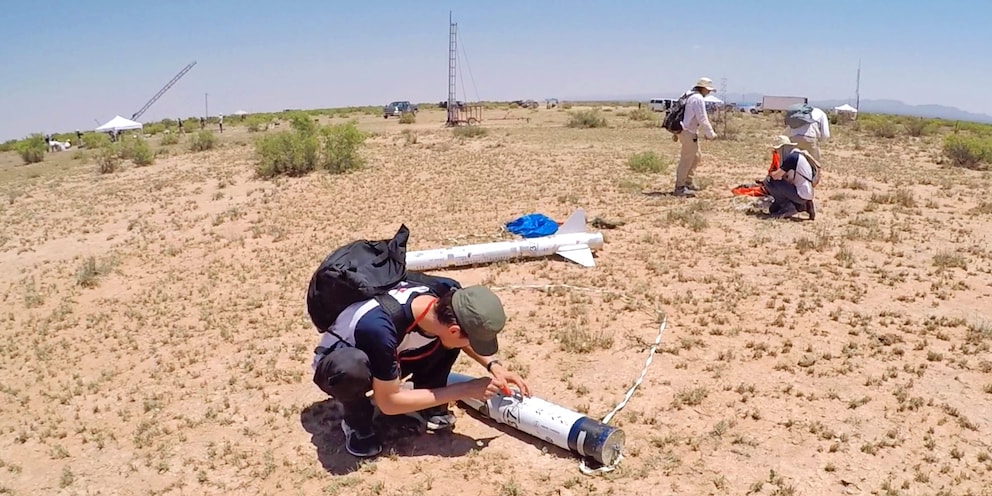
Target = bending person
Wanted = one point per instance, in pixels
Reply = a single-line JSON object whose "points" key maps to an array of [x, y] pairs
{"points": [[792, 184]]}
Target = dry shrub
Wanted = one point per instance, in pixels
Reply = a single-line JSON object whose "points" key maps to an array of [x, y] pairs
{"points": [[647, 162], [586, 119], [108, 159], [641, 114], [203, 140], [470, 132], [969, 151]]}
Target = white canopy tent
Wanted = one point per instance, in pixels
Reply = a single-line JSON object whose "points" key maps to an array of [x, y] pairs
{"points": [[846, 113], [711, 99], [119, 123]]}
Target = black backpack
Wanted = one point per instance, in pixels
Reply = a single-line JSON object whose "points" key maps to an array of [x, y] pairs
{"points": [[362, 270], [673, 119]]}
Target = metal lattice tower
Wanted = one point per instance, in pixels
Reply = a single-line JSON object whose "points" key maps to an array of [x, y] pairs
{"points": [[452, 78], [163, 90]]}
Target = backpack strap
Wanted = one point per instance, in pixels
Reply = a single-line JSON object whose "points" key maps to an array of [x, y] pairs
{"points": [[394, 309], [436, 285], [813, 165]]}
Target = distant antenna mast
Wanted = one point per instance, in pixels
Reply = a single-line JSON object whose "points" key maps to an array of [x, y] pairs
{"points": [[163, 90], [452, 61], [857, 90]]}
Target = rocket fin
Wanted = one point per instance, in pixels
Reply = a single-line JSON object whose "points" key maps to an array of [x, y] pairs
{"points": [[580, 254], [575, 224]]}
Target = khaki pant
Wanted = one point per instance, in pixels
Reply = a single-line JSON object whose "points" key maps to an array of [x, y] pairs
{"points": [[689, 159], [811, 145]]}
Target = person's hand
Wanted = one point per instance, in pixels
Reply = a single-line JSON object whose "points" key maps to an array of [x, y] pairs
{"points": [[482, 388], [503, 377], [777, 174]]}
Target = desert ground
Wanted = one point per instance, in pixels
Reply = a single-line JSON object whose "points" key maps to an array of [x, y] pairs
{"points": [[154, 339]]}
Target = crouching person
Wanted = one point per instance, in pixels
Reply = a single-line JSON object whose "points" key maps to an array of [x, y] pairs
{"points": [[365, 351], [792, 184]]}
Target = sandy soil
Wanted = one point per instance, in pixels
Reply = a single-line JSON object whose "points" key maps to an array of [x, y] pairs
{"points": [[153, 338]]}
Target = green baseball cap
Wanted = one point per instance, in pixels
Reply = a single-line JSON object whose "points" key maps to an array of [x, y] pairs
{"points": [[480, 314]]}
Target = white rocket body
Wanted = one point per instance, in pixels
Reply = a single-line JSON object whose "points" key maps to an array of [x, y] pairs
{"points": [[571, 241], [552, 423]]}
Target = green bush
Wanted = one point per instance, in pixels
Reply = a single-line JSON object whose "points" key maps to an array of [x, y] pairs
{"points": [[307, 148], [303, 123], [341, 144], [288, 153], [882, 128], [647, 162], [170, 139], [202, 140], [586, 119], [968, 150], [32, 149], [408, 118], [95, 140], [138, 151], [153, 129], [921, 127], [257, 123]]}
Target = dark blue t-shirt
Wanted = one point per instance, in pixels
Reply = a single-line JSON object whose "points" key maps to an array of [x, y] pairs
{"points": [[376, 335]]}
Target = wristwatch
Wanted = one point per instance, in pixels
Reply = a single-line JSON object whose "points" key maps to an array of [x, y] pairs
{"points": [[489, 366]]}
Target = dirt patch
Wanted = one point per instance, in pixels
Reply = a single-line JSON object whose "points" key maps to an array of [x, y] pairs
{"points": [[154, 339]]}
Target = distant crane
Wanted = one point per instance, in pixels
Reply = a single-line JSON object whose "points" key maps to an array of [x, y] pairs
{"points": [[163, 90]]}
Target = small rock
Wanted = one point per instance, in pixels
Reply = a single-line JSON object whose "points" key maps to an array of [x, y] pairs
{"points": [[601, 223], [807, 360]]}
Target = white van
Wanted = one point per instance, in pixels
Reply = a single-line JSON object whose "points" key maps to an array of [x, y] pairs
{"points": [[661, 104]]}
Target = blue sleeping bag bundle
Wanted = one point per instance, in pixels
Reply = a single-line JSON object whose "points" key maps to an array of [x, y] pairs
{"points": [[532, 226]]}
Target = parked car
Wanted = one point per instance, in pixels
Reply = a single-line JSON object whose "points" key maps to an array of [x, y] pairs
{"points": [[396, 109], [661, 104]]}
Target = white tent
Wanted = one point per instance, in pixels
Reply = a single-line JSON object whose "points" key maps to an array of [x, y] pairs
{"points": [[241, 112], [711, 99], [845, 108], [119, 123]]}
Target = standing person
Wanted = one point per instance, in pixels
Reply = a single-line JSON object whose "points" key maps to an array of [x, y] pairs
{"points": [[695, 118], [220, 121], [807, 126]]}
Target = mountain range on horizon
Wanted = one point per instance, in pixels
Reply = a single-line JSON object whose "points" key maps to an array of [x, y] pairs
{"points": [[873, 106]]}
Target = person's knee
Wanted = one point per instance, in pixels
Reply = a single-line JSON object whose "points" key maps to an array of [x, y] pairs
{"points": [[344, 374]]}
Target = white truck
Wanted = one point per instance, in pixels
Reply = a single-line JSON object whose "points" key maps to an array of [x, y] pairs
{"points": [[780, 103]]}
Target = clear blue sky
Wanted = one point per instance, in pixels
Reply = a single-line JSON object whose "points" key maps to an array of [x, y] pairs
{"points": [[67, 64]]}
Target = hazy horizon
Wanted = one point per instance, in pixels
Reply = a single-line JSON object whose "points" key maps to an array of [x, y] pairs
{"points": [[97, 60]]}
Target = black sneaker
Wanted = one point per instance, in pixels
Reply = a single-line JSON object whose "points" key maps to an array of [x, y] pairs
{"points": [[361, 444], [684, 191], [436, 418]]}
